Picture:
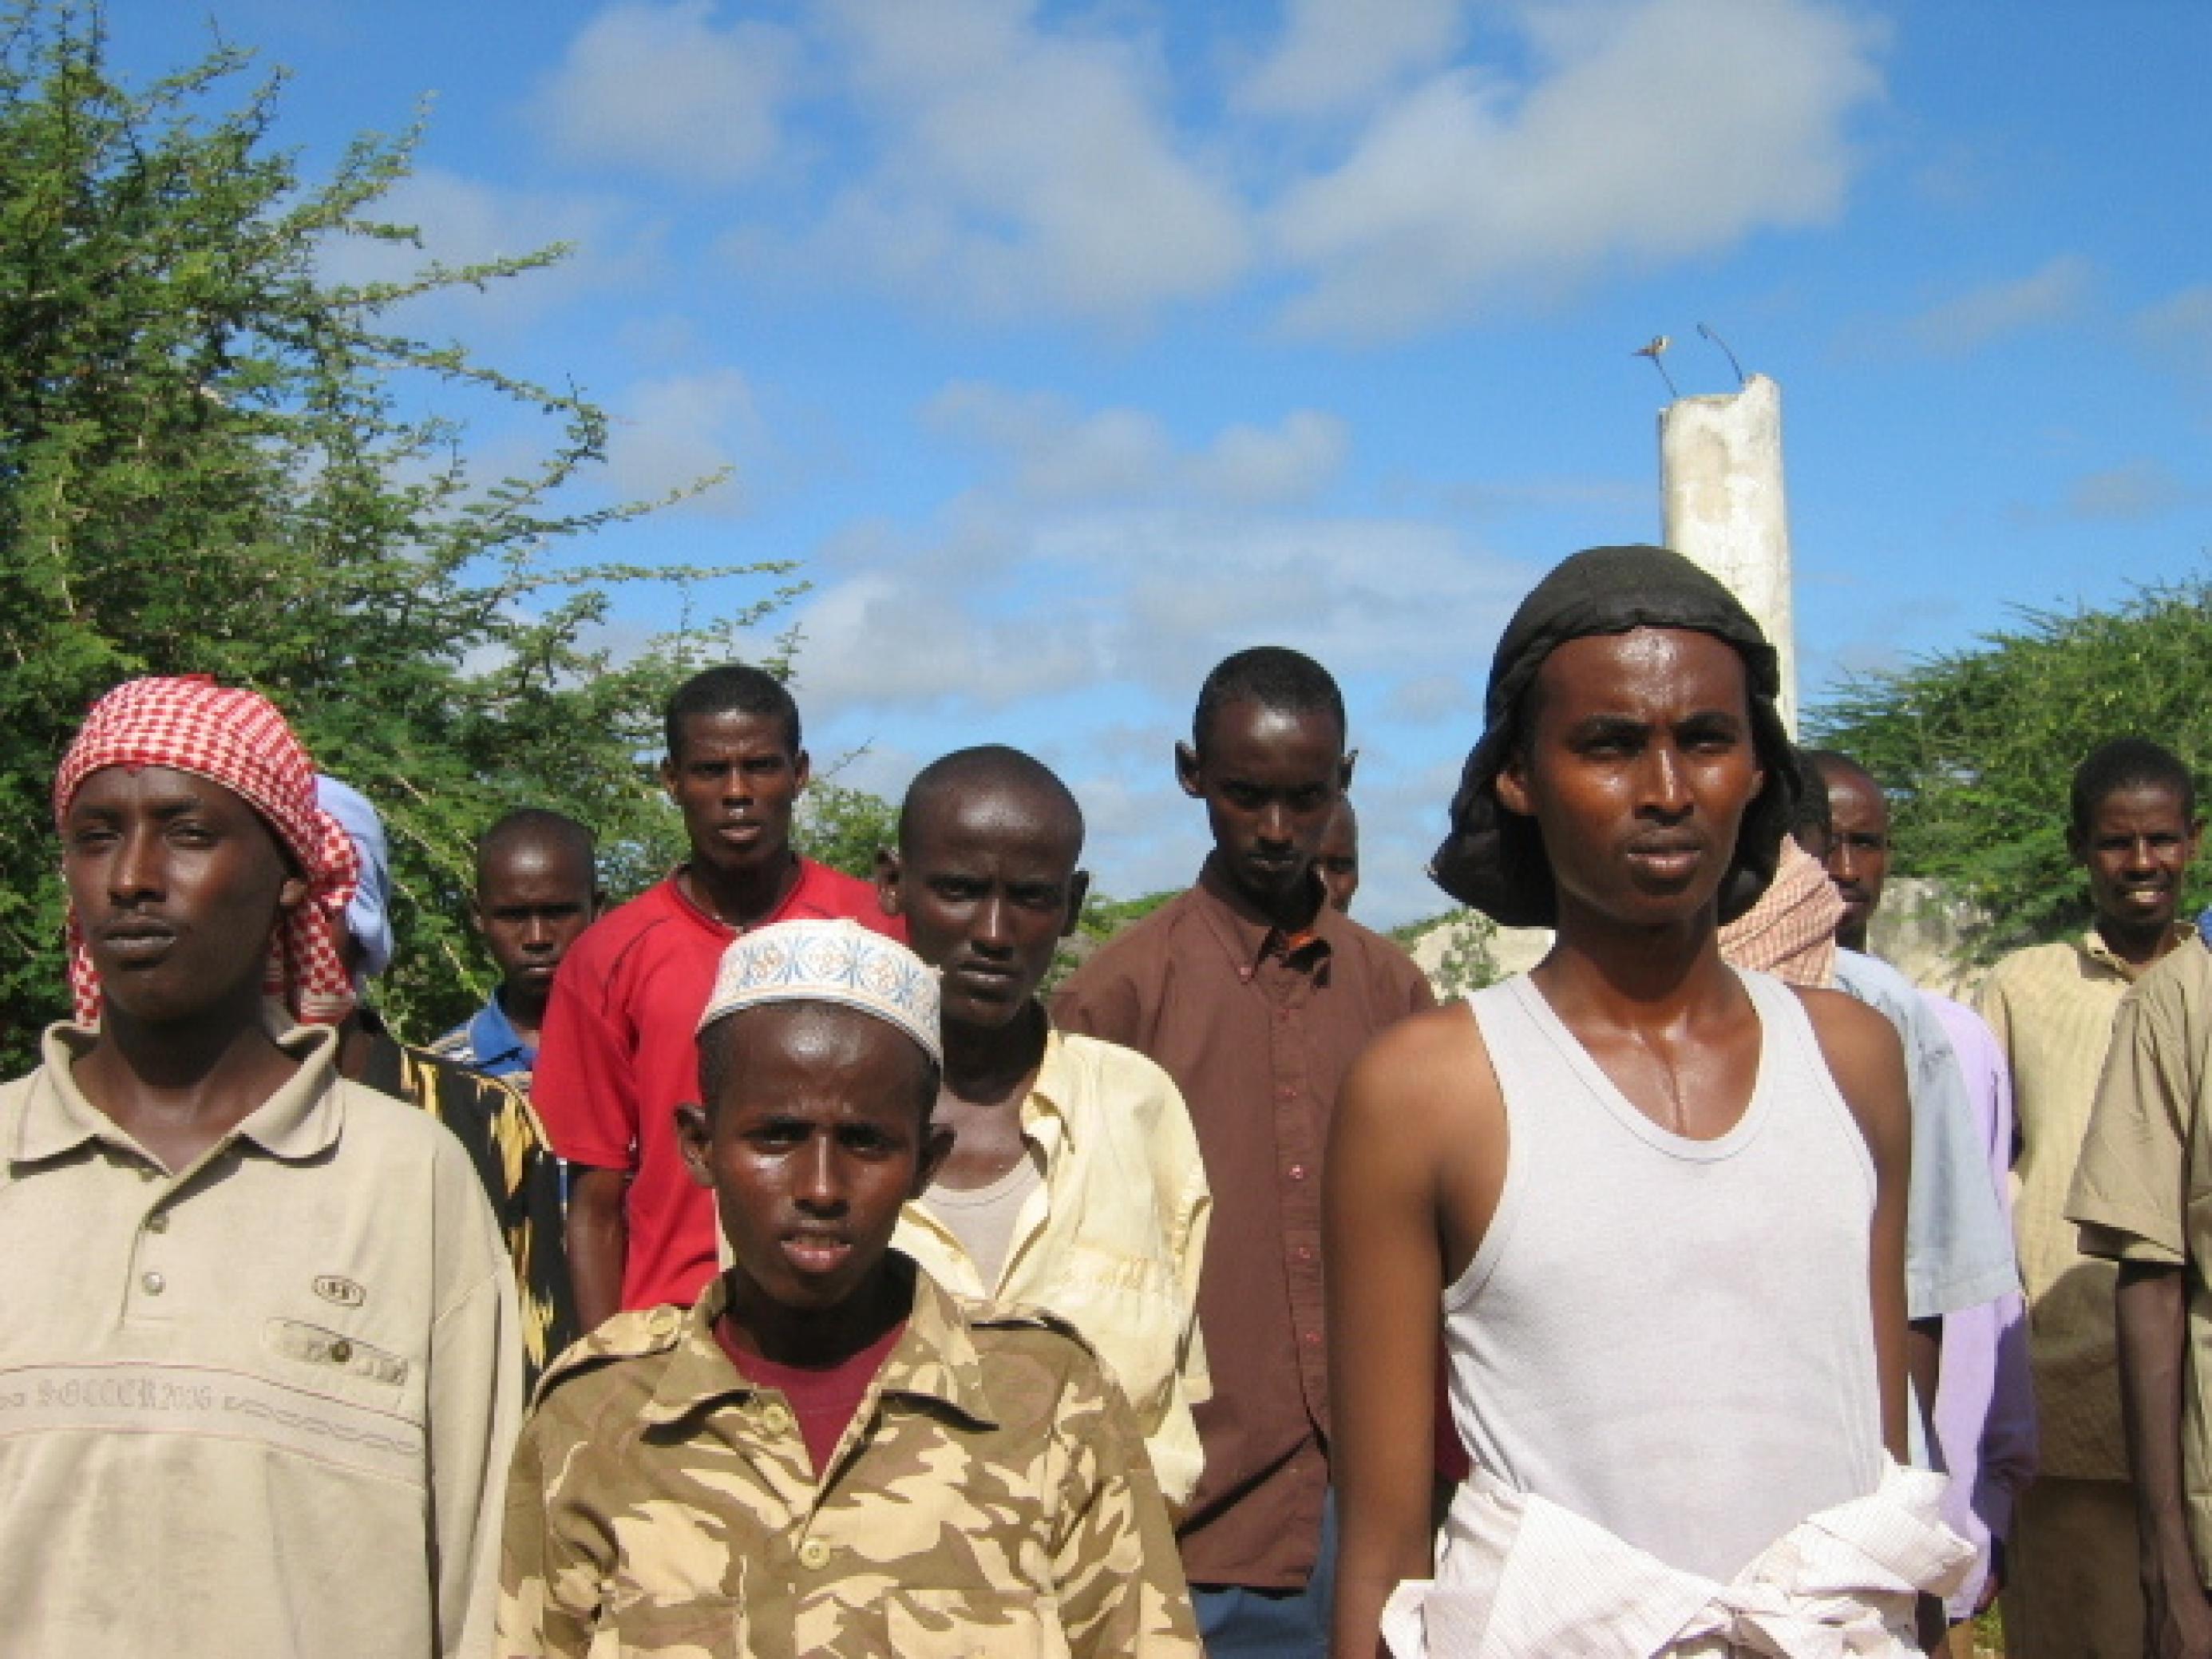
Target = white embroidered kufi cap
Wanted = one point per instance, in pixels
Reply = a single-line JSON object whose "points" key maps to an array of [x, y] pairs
{"points": [[839, 962]]}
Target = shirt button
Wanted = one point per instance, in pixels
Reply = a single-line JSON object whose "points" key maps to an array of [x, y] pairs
{"points": [[341, 1351], [1297, 1172], [147, 1174], [775, 1419], [1304, 1253], [158, 1222], [1282, 1014], [814, 1555], [154, 1284], [1313, 1339], [1284, 1091]]}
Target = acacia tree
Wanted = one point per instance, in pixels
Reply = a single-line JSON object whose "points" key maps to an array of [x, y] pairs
{"points": [[1976, 748], [214, 458]]}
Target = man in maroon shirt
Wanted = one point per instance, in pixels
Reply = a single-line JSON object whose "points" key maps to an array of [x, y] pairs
{"points": [[1255, 996], [617, 1056]]}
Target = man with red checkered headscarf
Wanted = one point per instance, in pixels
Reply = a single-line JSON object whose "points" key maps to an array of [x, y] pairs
{"points": [[260, 1333]]}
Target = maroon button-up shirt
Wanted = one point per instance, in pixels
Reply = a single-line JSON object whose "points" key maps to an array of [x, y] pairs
{"points": [[1257, 1031]]}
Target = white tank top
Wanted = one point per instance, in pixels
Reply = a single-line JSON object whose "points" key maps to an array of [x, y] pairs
{"points": [[1673, 1338]]}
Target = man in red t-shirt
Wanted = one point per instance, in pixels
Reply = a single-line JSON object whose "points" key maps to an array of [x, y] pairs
{"points": [[617, 1056]]}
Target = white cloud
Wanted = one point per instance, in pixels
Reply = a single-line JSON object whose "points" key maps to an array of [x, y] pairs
{"points": [[1337, 54], [2178, 329], [673, 431], [1295, 462], [1653, 130], [1022, 171], [2143, 488], [460, 221], [1973, 319], [1055, 453], [666, 88]]}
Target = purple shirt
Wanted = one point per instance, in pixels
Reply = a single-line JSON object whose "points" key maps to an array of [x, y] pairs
{"points": [[1986, 1404]]}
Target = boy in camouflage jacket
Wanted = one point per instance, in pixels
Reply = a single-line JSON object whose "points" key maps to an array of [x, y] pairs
{"points": [[830, 1454]]}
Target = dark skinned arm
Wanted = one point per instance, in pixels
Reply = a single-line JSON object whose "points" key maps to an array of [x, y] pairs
{"points": [[1410, 1140], [1923, 1364], [2151, 1307], [598, 1241], [1868, 1062]]}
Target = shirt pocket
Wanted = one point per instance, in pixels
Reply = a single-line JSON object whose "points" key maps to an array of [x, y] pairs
{"points": [[706, 1625], [337, 1362], [1132, 1309], [966, 1624]]}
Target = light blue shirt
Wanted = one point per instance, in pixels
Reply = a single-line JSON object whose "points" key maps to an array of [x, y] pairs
{"points": [[1957, 1247]]}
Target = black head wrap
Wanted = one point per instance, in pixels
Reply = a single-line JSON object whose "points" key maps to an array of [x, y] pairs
{"points": [[1493, 859]]}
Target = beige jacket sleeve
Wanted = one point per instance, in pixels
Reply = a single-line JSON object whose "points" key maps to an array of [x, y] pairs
{"points": [[475, 1409]]}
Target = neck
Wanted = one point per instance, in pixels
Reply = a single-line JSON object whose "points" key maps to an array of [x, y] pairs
{"points": [[817, 1337], [1291, 911], [2136, 943], [525, 1009], [1639, 973], [746, 897], [989, 1063], [1855, 939], [209, 1070]]}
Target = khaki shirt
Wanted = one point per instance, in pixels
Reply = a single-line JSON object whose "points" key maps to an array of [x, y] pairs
{"points": [[257, 1407], [2050, 1008], [1113, 1238], [2144, 1189], [990, 1497]]}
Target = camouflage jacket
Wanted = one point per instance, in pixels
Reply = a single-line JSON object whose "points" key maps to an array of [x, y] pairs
{"points": [[991, 1496]]}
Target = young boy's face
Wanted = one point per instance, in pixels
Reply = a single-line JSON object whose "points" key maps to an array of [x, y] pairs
{"points": [[817, 1136]]}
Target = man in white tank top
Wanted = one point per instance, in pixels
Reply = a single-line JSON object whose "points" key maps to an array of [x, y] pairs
{"points": [[1660, 1203]]}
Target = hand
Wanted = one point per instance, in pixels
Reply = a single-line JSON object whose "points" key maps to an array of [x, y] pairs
{"points": [[1992, 1586], [2179, 1621]]}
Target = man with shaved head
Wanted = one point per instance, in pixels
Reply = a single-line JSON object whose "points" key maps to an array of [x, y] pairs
{"points": [[537, 890], [1074, 1183], [1337, 860], [1858, 854]]}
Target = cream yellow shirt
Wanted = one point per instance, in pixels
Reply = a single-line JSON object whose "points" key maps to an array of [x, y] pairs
{"points": [[2050, 1008], [262, 1406], [1111, 1240]]}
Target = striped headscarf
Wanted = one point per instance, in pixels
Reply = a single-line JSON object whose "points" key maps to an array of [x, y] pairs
{"points": [[237, 738]]}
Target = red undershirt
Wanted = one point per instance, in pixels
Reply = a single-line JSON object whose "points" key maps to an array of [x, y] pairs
{"points": [[823, 1398]]}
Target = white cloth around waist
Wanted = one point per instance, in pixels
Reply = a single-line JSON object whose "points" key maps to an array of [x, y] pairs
{"points": [[1521, 1577]]}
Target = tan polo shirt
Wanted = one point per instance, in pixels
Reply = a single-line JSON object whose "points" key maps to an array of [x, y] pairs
{"points": [[2144, 1192], [259, 1406]]}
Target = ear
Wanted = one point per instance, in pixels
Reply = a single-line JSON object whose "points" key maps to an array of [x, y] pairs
{"points": [[292, 893], [1344, 771], [802, 772], [888, 869], [2195, 836], [694, 1134], [936, 1148], [599, 903], [1186, 772], [1512, 787], [2074, 850], [1078, 888], [475, 913], [668, 775]]}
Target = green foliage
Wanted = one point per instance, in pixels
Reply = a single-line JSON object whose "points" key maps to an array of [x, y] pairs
{"points": [[213, 459], [1976, 748], [1470, 957], [843, 827]]}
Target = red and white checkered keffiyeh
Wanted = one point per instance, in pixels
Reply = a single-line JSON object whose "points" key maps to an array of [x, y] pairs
{"points": [[1791, 932], [237, 738]]}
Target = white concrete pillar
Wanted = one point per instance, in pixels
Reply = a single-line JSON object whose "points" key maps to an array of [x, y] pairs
{"points": [[1724, 505]]}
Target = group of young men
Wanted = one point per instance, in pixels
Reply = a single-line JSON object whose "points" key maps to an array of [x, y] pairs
{"points": [[872, 1299]]}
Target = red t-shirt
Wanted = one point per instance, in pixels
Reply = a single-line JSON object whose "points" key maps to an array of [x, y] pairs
{"points": [[824, 1398], [617, 1057]]}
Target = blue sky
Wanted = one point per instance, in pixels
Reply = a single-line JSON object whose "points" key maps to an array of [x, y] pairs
{"points": [[1072, 348]]}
